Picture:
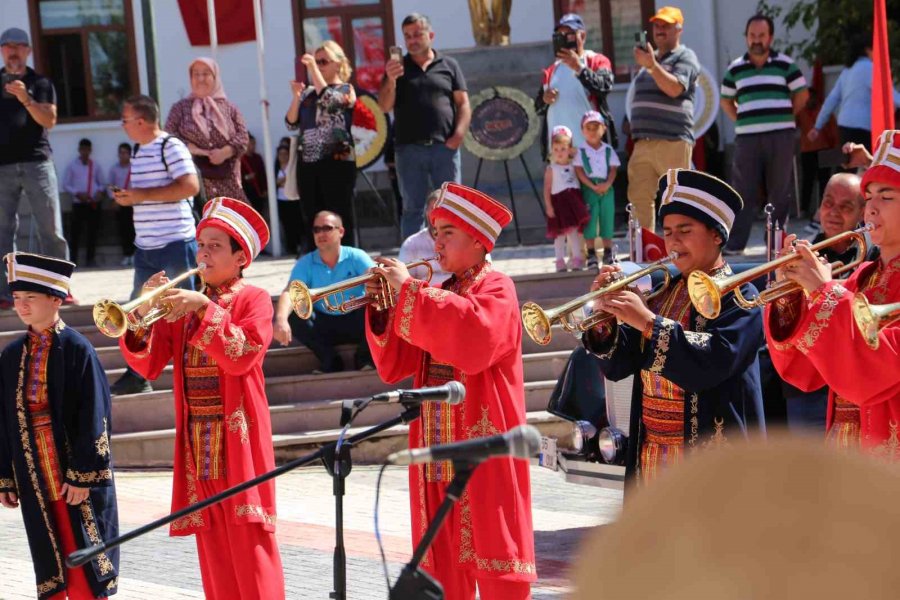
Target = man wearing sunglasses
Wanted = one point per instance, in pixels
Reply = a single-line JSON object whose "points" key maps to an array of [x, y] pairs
{"points": [[330, 263]]}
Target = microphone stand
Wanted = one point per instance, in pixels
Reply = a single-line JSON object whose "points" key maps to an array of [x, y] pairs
{"points": [[414, 583], [410, 412]]}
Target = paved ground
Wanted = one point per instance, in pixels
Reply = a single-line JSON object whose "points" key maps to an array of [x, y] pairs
{"points": [[159, 567]]}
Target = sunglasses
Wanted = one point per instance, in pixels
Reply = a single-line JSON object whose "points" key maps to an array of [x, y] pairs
{"points": [[323, 228], [322, 62]]}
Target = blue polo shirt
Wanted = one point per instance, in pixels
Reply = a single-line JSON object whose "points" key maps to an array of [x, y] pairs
{"points": [[352, 262]]}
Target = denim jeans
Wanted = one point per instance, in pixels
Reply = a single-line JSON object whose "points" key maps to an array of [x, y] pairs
{"points": [[37, 180], [174, 258], [420, 170]]}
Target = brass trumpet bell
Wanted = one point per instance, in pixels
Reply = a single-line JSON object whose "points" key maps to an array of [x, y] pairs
{"points": [[304, 298], [112, 319], [872, 318], [538, 322], [706, 292]]}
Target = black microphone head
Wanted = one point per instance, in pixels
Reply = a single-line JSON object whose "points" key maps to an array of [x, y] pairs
{"points": [[457, 392], [524, 441]]}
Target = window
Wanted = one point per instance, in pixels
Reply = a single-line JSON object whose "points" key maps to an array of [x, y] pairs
{"points": [[611, 25], [86, 47], [363, 28]]}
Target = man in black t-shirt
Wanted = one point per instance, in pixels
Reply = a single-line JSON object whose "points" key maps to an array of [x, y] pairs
{"points": [[427, 92], [27, 112]]}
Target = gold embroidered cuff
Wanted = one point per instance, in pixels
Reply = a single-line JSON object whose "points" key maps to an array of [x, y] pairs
{"points": [[7, 485], [88, 478]]}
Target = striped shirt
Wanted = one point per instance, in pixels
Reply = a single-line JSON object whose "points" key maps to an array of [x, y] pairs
{"points": [[763, 96], [159, 223], [654, 114]]}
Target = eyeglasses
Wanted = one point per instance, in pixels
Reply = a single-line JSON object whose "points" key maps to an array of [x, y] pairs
{"points": [[323, 228], [322, 62], [125, 121]]}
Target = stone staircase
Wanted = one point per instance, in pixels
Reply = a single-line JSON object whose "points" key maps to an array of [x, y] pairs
{"points": [[305, 408]]}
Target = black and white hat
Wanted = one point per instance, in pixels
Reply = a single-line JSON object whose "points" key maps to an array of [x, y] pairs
{"points": [[700, 196], [37, 273]]}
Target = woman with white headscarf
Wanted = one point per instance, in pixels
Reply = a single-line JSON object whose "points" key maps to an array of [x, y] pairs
{"points": [[213, 129]]}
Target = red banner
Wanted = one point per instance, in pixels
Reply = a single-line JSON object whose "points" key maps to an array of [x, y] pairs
{"points": [[882, 86], [234, 21], [654, 247]]}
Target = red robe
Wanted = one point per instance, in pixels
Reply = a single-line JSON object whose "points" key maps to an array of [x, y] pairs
{"points": [[236, 333], [816, 342], [474, 336]]}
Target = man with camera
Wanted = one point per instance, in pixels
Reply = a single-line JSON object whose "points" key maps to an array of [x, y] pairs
{"points": [[27, 112], [577, 81], [662, 112]]}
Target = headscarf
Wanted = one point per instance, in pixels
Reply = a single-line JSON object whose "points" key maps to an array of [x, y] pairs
{"points": [[222, 123]]}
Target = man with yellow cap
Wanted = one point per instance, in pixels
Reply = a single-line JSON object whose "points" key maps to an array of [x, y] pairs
{"points": [[217, 340], [469, 330], [55, 419]]}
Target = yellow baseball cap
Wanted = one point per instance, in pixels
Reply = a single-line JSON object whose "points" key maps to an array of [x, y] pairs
{"points": [[669, 14]]}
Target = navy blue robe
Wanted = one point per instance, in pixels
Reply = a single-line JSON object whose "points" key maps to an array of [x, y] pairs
{"points": [[714, 361], [80, 407]]}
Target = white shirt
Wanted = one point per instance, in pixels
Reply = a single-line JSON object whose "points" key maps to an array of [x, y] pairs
{"points": [[597, 167], [563, 177], [120, 176], [421, 245], [159, 223], [83, 178], [571, 103]]}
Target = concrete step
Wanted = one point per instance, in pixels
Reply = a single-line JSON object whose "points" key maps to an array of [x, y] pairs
{"points": [[155, 448], [155, 410], [97, 339]]}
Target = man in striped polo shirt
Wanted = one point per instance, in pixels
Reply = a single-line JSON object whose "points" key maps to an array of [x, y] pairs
{"points": [[761, 92], [163, 184]]}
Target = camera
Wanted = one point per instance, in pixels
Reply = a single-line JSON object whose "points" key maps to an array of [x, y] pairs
{"points": [[561, 40], [396, 53], [640, 39]]}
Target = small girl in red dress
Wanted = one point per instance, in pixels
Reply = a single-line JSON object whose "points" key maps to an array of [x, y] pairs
{"points": [[566, 212]]}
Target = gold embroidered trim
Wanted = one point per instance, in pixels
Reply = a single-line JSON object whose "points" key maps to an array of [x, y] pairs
{"points": [[28, 454], [483, 427], [88, 476], [90, 527], [7, 484], [467, 552], [436, 293], [237, 345], [695, 422], [214, 322], [254, 510], [406, 311], [102, 442], [717, 439], [889, 450], [195, 519], [113, 584], [697, 339], [662, 344], [821, 319], [238, 423]]}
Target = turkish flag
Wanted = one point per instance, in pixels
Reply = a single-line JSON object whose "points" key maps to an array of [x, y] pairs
{"points": [[882, 86], [234, 21], [653, 246]]}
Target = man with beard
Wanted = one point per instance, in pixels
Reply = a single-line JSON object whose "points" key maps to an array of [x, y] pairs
{"points": [[761, 92]]}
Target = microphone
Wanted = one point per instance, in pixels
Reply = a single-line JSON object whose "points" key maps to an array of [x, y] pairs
{"points": [[523, 441], [453, 392]]}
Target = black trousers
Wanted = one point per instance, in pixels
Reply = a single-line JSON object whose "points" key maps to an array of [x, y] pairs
{"points": [[84, 217], [294, 226], [809, 174], [328, 185], [125, 221], [322, 332]]}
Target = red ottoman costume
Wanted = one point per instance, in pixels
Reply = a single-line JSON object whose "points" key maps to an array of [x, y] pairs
{"points": [[223, 431], [468, 330]]}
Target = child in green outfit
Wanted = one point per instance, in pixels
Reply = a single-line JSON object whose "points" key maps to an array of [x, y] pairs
{"points": [[595, 165]]}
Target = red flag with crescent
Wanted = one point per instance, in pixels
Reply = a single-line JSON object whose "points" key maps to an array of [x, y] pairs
{"points": [[654, 247]]}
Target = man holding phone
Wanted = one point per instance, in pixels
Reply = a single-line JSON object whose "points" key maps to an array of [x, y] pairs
{"points": [[578, 81], [27, 112]]}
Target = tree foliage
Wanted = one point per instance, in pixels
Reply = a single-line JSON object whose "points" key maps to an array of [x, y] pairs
{"points": [[834, 24]]}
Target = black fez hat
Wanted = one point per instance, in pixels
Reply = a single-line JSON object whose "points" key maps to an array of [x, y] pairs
{"points": [[37, 273], [700, 196]]}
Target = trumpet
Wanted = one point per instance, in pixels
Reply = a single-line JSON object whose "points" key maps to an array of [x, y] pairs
{"points": [[537, 321], [706, 293], [303, 298], [872, 318], [112, 319]]}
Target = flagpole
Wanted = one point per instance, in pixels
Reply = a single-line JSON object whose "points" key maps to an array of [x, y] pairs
{"points": [[213, 29], [275, 233]]}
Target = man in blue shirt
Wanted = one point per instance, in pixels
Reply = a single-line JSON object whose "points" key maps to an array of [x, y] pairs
{"points": [[329, 264]]}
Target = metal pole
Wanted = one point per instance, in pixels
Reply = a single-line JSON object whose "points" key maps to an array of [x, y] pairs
{"points": [[213, 31], [267, 136]]}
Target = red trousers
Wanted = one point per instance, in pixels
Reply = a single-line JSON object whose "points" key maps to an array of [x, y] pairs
{"points": [[237, 561], [459, 584], [77, 587]]}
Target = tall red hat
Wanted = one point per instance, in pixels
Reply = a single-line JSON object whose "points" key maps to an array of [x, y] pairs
{"points": [[474, 212], [240, 221], [886, 163]]}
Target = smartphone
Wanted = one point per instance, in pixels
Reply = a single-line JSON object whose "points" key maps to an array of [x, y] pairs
{"points": [[640, 39], [561, 41], [831, 158], [299, 70], [114, 189], [8, 78], [396, 53]]}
